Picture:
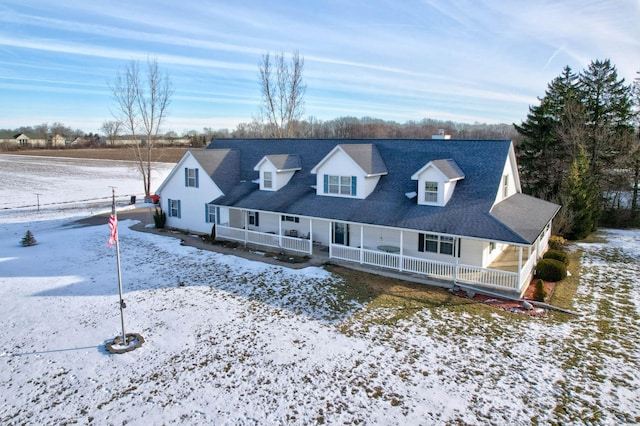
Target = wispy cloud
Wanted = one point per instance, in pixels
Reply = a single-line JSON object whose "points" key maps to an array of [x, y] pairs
{"points": [[476, 60]]}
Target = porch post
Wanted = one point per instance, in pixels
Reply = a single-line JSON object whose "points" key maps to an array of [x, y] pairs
{"points": [[455, 260], [246, 227], [280, 232], [310, 236], [400, 263], [361, 243], [330, 239], [519, 265]]}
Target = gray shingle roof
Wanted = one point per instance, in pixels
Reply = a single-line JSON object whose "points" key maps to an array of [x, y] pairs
{"points": [[468, 213], [450, 169], [367, 157], [285, 161], [222, 165], [525, 215]]}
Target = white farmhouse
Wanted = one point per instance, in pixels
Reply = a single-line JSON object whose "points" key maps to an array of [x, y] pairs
{"points": [[447, 210]]}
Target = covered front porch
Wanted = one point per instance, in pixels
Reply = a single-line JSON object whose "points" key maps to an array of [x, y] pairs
{"points": [[385, 248]]}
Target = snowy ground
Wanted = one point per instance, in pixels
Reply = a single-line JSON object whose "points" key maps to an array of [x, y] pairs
{"points": [[248, 343]]}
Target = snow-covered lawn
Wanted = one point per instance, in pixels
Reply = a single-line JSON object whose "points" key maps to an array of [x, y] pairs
{"points": [[244, 342]]}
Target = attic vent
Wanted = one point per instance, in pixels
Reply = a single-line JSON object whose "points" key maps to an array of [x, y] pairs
{"points": [[410, 195]]}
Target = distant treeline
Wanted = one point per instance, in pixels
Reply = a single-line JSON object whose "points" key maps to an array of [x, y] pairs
{"points": [[338, 128]]}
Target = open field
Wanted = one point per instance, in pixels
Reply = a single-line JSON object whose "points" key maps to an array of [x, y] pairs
{"points": [[160, 154], [233, 341]]}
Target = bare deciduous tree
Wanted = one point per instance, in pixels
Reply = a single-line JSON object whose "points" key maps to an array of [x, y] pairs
{"points": [[282, 92], [141, 104], [111, 130]]}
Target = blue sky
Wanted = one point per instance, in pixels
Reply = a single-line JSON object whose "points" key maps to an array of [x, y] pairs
{"points": [[467, 61]]}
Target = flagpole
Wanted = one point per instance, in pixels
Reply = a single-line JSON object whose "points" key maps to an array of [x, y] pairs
{"points": [[115, 215]]}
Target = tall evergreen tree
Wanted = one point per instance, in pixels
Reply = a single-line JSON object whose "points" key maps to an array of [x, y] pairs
{"points": [[583, 197], [609, 112], [543, 155]]}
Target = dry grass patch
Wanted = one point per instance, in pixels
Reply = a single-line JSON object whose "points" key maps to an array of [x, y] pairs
{"points": [[396, 300], [160, 155]]}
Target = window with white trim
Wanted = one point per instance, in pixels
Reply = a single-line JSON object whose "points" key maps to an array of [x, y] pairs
{"points": [[505, 186], [211, 213], [253, 218], [294, 219], [267, 180], [340, 185], [174, 208], [191, 177], [446, 245], [430, 192], [433, 243]]}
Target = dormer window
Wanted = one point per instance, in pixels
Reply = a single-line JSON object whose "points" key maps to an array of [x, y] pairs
{"points": [[343, 185], [437, 181], [275, 171], [431, 192], [349, 170], [267, 180]]}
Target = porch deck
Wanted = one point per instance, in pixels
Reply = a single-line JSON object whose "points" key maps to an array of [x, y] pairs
{"points": [[508, 260], [501, 275]]}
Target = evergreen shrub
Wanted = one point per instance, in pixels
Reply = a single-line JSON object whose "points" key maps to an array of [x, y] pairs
{"points": [[551, 270], [540, 293], [28, 240], [556, 242], [557, 255], [159, 218]]}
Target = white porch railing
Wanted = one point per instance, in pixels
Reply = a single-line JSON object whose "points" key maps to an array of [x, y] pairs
{"points": [[379, 258], [474, 275], [492, 278], [296, 244], [264, 239], [441, 270], [502, 280], [345, 253], [230, 233]]}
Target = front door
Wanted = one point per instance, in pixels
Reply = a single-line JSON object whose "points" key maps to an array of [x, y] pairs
{"points": [[341, 233]]}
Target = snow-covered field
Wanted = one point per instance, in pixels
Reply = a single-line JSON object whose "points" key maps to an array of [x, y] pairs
{"points": [[244, 342]]}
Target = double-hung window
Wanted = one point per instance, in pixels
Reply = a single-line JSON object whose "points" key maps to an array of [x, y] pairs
{"points": [[342, 185], [174, 208], [210, 213], [434, 243], [267, 180], [505, 186], [431, 192], [253, 217], [191, 177], [294, 219]]}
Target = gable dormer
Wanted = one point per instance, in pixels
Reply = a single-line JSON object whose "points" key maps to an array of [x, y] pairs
{"points": [[276, 170], [350, 171], [437, 181]]}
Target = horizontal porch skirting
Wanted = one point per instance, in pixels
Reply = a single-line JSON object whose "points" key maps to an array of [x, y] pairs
{"points": [[466, 274]]}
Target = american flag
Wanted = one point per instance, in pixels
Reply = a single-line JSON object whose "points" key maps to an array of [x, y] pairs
{"points": [[113, 227]]}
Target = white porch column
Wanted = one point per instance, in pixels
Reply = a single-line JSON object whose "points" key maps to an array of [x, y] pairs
{"points": [[401, 263], [456, 241], [361, 243], [280, 232], [519, 265], [330, 239], [246, 227], [310, 236]]}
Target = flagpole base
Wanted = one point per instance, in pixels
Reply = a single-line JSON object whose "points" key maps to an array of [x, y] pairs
{"points": [[116, 346]]}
